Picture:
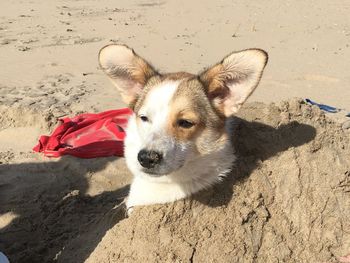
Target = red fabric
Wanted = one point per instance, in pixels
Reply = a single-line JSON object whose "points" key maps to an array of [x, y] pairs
{"points": [[87, 135]]}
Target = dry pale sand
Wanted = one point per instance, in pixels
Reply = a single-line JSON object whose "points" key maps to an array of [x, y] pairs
{"points": [[288, 197]]}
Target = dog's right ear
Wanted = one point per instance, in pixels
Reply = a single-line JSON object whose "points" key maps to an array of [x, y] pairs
{"points": [[128, 71]]}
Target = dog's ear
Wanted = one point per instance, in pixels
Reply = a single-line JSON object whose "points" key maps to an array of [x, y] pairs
{"points": [[230, 82], [128, 71]]}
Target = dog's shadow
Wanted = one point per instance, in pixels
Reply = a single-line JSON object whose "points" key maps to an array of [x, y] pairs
{"points": [[253, 143]]}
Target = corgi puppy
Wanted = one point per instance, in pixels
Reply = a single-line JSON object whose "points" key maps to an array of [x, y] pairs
{"points": [[178, 140]]}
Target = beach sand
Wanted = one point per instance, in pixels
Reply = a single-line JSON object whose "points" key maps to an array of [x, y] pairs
{"points": [[288, 196]]}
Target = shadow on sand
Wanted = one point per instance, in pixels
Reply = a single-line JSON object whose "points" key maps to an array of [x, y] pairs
{"points": [[56, 214], [255, 142]]}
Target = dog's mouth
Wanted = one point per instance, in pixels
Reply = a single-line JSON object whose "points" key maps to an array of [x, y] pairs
{"points": [[160, 170], [153, 172]]}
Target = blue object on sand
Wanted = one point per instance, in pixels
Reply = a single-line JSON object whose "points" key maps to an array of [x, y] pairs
{"points": [[3, 258], [324, 106]]}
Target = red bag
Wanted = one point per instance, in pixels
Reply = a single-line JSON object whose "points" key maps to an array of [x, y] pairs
{"points": [[87, 135]]}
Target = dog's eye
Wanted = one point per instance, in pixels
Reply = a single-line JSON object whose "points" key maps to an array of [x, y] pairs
{"points": [[185, 123], [143, 118]]}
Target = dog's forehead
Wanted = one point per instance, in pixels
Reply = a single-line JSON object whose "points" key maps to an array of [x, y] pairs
{"points": [[161, 90], [158, 97]]}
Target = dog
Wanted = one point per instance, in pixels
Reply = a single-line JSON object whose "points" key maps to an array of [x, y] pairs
{"points": [[178, 141]]}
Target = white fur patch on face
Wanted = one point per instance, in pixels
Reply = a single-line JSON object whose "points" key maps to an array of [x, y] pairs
{"points": [[156, 108], [153, 135]]}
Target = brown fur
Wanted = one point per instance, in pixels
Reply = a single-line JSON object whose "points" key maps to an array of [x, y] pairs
{"points": [[190, 102], [141, 70]]}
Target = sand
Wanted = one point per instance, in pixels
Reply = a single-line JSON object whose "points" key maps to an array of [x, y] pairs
{"points": [[288, 196]]}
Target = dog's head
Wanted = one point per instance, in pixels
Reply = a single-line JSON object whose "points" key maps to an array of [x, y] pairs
{"points": [[179, 116]]}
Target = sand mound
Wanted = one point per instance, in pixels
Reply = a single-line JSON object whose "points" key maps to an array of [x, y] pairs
{"points": [[286, 200]]}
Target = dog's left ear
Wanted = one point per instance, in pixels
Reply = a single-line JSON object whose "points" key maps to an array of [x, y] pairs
{"points": [[128, 71], [231, 82]]}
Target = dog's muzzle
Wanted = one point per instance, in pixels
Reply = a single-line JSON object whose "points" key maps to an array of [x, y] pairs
{"points": [[149, 159]]}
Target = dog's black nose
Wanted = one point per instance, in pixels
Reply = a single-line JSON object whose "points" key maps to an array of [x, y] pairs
{"points": [[149, 159]]}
